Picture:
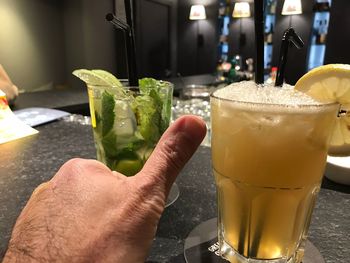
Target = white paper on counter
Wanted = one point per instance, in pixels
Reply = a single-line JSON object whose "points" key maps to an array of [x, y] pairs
{"points": [[11, 128]]}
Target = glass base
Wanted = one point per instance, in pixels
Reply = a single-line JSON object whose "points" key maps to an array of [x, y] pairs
{"points": [[173, 195], [231, 255], [202, 245]]}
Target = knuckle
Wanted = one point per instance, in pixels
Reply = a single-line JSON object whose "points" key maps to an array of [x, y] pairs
{"points": [[173, 155], [152, 194], [75, 163], [69, 171], [77, 170], [40, 189]]}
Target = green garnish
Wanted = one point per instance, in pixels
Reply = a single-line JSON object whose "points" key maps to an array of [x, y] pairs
{"points": [[126, 125], [107, 114], [129, 167], [162, 99], [148, 117], [109, 143]]}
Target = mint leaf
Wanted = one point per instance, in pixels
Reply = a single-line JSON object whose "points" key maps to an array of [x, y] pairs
{"points": [[162, 101], [148, 116], [107, 114], [122, 157], [98, 128], [127, 153], [111, 163], [148, 84], [118, 147], [109, 143], [98, 118]]}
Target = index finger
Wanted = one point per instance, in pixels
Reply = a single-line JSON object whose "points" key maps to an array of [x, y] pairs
{"points": [[174, 149]]}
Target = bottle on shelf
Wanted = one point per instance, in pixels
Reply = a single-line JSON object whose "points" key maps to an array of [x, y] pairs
{"points": [[271, 7], [321, 34], [322, 7], [222, 9], [268, 35], [272, 77], [232, 73]]}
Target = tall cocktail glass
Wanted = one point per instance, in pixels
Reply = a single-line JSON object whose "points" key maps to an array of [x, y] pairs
{"points": [[269, 149], [127, 125]]}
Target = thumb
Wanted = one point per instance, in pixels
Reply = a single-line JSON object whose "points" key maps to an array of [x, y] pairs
{"points": [[173, 151]]}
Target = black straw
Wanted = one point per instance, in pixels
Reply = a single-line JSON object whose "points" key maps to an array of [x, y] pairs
{"points": [[259, 40], [128, 13], [118, 23], [289, 36], [130, 47], [129, 21]]}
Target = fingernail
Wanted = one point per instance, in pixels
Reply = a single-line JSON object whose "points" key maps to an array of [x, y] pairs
{"points": [[191, 124]]}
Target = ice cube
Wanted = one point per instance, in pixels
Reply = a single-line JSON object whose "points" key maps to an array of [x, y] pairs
{"points": [[122, 109], [124, 127], [125, 121]]}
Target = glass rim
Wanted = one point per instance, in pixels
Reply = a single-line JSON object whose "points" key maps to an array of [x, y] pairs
{"points": [[170, 84], [279, 105]]}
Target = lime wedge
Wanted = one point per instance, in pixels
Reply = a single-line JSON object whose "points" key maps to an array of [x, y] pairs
{"points": [[90, 77], [108, 77], [101, 77], [129, 167]]}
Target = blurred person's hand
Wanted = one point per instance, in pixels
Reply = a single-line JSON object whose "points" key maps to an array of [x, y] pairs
{"points": [[87, 213], [7, 86]]}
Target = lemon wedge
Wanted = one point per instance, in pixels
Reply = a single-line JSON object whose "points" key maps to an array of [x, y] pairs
{"points": [[327, 84]]}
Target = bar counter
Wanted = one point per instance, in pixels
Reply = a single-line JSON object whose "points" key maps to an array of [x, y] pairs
{"points": [[27, 162]]}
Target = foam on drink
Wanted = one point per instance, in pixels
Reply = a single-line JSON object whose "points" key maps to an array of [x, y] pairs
{"points": [[248, 91]]}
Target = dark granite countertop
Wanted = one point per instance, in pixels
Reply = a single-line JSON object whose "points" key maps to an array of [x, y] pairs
{"points": [[27, 162], [74, 100]]}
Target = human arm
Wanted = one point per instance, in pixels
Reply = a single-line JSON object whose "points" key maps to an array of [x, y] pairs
{"points": [[7, 86]]}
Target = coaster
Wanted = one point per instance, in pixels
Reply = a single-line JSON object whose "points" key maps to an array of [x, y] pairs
{"points": [[201, 246]]}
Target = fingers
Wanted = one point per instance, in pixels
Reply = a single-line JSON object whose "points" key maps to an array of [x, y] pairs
{"points": [[172, 152], [3, 74]]}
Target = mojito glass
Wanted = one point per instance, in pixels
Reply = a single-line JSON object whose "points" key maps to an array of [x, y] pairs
{"points": [[127, 123], [269, 150]]}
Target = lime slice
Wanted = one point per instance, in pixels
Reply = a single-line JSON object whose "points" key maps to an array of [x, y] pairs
{"points": [[108, 77], [128, 167], [331, 83], [90, 77], [99, 77]]}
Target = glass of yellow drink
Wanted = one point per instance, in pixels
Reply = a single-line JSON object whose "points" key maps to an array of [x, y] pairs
{"points": [[269, 150]]}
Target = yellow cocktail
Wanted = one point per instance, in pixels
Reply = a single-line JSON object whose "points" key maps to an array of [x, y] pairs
{"points": [[269, 149]]}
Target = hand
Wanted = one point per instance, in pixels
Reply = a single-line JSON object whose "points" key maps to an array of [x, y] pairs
{"points": [[7, 86], [87, 213]]}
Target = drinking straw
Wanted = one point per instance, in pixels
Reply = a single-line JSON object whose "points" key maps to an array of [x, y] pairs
{"points": [[129, 21], [259, 40], [117, 22], [289, 36], [130, 47], [128, 12]]}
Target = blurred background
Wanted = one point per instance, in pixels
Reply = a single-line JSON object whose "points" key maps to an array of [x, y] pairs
{"points": [[43, 41]]}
